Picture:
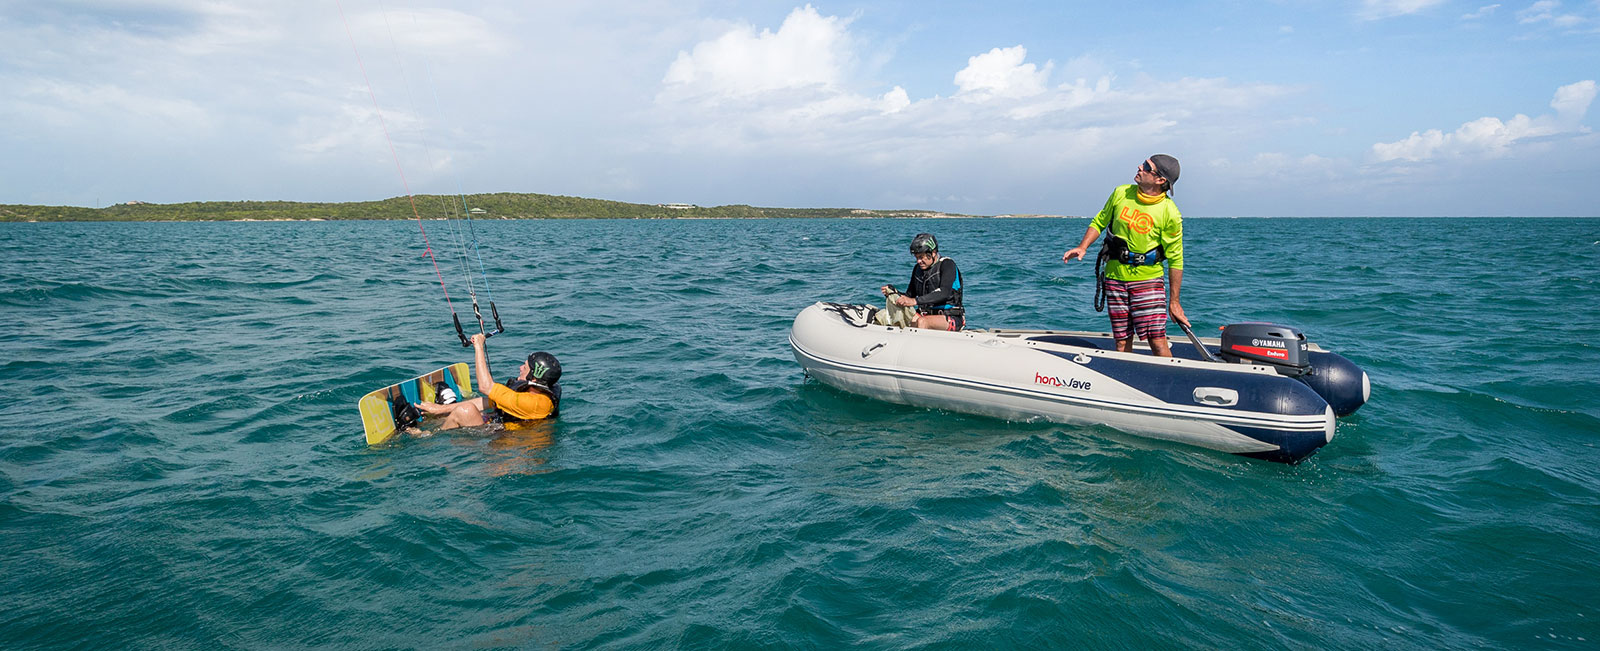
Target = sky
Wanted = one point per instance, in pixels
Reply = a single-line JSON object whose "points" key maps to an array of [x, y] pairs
{"points": [[1274, 108]]}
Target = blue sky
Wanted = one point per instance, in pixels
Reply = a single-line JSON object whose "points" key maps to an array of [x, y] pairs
{"points": [[1291, 108]]}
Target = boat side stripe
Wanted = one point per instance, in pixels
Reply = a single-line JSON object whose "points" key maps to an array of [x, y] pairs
{"points": [[1306, 423]]}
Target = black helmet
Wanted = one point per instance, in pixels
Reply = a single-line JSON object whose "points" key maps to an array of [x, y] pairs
{"points": [[544, 368], [924, 243]]}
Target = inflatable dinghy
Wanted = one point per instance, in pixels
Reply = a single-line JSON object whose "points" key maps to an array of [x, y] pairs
{"points": [[1273, 395]]}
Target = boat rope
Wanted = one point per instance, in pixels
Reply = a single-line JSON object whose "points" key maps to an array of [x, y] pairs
{"points": [[859, 316]]}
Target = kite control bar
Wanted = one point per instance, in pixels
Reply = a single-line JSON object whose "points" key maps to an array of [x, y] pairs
{"points": [[498, 328]]}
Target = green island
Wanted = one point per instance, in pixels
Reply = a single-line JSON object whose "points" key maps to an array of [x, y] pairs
{"points": [[499, 205]]}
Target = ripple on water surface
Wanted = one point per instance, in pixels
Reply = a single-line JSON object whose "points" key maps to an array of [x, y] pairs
{"points": [[199, 477]]}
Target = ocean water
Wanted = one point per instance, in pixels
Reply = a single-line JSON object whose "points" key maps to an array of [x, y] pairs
{"points": [[182, 464]]}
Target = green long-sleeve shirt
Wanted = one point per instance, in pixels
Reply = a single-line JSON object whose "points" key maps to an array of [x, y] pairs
{"points": [[1144, 226]]}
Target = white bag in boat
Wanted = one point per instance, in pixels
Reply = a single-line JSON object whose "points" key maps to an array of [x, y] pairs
{"points": [[896, 315]]}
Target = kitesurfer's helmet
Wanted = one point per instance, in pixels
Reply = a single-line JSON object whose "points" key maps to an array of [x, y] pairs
{"points": [[924, 243], [1167, 168], [544, 368]]}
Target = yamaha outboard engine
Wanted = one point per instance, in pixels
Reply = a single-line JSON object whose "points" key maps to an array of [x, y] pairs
{"points": [[1282, 347], [1338, 380]]}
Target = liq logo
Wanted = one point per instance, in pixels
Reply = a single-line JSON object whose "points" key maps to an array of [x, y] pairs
{"points": [[1140, 221], [1069, 383]]}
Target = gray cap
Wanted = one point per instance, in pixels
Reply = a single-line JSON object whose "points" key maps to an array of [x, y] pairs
{"points": [[1167, 168]]}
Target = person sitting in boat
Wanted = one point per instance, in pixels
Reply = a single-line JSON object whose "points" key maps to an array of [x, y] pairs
{"points": [[1145, 230], [533, 395], [935, 288]]}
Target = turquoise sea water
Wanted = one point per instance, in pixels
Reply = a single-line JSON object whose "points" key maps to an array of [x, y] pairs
{"points": [[182, 464]]}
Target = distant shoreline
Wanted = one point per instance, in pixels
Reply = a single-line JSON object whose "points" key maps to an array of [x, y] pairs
{"points": [[264, 220], [501, 205], [898, 215]]}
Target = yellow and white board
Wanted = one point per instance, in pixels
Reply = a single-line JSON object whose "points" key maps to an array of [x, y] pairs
{"points": [[377, 408]]}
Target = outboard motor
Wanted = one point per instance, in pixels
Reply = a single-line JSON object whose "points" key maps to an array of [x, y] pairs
{"points": [[1338, 380], [1283, 348]]}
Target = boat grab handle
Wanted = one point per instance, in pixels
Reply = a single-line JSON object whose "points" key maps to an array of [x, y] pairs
{"points": [[1216, 396], [869, 350]]}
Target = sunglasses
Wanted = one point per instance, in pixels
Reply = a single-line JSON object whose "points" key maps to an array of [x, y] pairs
{"points": [[1150, 169]]}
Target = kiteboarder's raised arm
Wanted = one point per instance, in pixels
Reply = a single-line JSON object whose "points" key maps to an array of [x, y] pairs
{"points": [[481, 363]]}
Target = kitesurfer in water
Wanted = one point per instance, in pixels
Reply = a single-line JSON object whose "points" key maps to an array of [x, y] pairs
{"points": [[1146, 229], [532, 395], [935, 288]]}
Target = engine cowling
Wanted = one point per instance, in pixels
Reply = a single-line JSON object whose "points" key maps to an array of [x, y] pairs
{"points": [[1281, 346], [1338, 380]]}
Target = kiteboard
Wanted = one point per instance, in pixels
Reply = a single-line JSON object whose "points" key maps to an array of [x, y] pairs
{"points": [[381, 410]]}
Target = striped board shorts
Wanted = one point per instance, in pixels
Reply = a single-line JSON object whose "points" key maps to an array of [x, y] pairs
{"points": [[1137, 307]]}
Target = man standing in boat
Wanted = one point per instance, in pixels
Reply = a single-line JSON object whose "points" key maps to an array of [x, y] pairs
{"points": [[1146, 229], [935, 288]]}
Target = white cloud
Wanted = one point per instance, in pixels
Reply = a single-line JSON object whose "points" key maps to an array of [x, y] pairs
{"points": [[1540, 11], [743, 89], [237, 99], [808, 50], [1491, 137], [1001, 73], [1380, 9], [1481, 12], [1275, 166], [711, 98], [1572, 101], [1006, 129], [1545, 11], [445, 30], [73, 105], [895, 100]]}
